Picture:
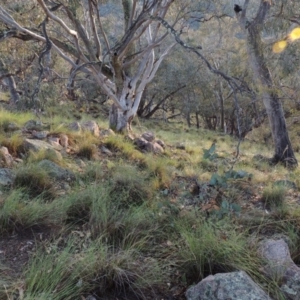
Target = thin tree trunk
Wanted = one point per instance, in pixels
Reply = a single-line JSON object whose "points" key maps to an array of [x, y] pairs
{"points": [[283, 148], [10, 82]]}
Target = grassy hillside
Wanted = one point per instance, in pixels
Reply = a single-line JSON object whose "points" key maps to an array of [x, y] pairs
{"points": [[134, 225]]}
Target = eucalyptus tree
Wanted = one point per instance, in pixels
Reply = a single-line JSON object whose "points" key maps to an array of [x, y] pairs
{"points": [[252, 25], [122, 67]]}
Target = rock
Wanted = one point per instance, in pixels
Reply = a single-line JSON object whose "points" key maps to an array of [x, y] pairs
{"points": [[106, 151], [64, 140], [6, 157], [106, 132], [180, 146], [37, 145], [75, 126], [141, 143], [144, 145], [161, 143], [54, 141], [148, 136], [7, 177], [91, 126], [280, 267], [234, 286], [55, 171], [11, 127], [154, 148], [55, 155], [35, 125], [40, 135]]}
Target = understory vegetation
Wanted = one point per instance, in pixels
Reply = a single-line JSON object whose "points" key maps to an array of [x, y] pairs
{"points": [[138, 225]]}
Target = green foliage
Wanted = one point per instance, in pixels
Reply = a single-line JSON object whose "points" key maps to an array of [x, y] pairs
{"points": [[210, 154], [227, 209], [222, 180]]}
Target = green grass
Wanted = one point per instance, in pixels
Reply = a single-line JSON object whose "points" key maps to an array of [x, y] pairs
{"points": [[131, 222], [35, 181], [273, 196], [19, 118]]}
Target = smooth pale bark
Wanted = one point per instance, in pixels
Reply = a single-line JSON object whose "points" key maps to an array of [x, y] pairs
{"points": [[125, 78], [283, 148]]}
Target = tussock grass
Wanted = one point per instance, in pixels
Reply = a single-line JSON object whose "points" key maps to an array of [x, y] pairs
{"points": [[35, 181], [14, 144], [87, 151], [18, 118], [126, 148], [49, 154], [210, 247], [130, 184], [67, 274], [273, 196], [161, 170], [18, 210]]}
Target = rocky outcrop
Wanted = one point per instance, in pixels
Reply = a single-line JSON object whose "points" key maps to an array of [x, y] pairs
{"points": [[280, 267], [234, 286], [147, 143], [5, 157], [90, 126], [35, 125], [6, 177], [37, 145], [55, 171]]}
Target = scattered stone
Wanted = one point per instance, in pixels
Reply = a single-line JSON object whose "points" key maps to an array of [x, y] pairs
{"points": [[106, 132], [106, 151], [37, 145], [64, 140], [161, 143], [155, 148], [148, 136], [55, 155], [281, 267], [180, 146], [40, 135], [35, 125], [234, 286], [54, 141], [6, 157], [141, 143], [144, 145], [7, 177], [75, 126], [55, 171], [91, 126], [80, 163], [12, 127]]}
